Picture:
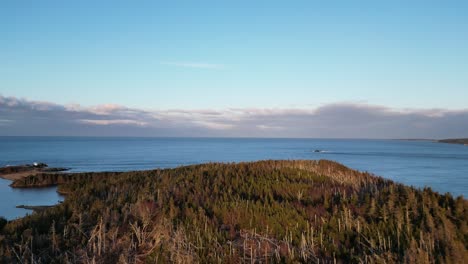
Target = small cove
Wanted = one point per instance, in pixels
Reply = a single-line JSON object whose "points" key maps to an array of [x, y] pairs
{"points": [[11, 197]]}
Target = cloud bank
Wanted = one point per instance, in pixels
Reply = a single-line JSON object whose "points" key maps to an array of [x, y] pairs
{"points": [[22, 117]]}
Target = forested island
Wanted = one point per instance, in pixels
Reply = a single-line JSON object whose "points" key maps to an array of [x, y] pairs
{"points": [[266, 211], [463, 141]]}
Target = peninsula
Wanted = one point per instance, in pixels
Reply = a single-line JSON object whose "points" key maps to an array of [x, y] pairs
{"points": [[18, 172], [271, 211]]}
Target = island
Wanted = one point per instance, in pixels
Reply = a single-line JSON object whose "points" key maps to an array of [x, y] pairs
{"points": [[463, 141], [273, 211]]}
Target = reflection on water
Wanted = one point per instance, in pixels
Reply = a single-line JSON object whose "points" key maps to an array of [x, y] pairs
{"points": [[11, 197]]}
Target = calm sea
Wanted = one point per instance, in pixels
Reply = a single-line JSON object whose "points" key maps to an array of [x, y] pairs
{"points": [[443, 167]]}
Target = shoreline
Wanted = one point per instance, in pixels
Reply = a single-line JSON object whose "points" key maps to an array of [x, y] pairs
{"points": [[18, 172], [458, 141], [49, 178], [19, 175], [36, 208], [21, 172]]}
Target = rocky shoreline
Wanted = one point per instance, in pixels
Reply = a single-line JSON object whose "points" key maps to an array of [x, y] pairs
{"points": [[35, 208], [17, 172]]}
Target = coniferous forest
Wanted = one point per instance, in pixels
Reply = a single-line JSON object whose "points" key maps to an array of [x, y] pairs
{"points": [[258, 212]]}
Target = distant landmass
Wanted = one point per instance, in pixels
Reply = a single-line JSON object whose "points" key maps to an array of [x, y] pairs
{"points": [[254, 212], [463, 141]]}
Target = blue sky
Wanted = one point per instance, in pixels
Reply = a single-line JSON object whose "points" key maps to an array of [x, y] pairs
{"points": [[219, 55]]}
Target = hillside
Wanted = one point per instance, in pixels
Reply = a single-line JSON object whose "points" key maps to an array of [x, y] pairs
{"points": [[266, 211]]}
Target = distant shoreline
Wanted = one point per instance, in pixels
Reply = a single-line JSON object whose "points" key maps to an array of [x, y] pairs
{"points": [[460, 141], [416, 139]]}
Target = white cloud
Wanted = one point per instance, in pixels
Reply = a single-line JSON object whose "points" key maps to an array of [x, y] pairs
{"points": [[25, 117], [265, 127], [214, 125], [103, 122]]}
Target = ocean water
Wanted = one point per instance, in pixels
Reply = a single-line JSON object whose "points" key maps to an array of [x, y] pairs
{"points": [[443, 167]]}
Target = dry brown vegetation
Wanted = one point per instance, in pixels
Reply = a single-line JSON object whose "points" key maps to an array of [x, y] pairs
{"points": [[259, 212]]}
